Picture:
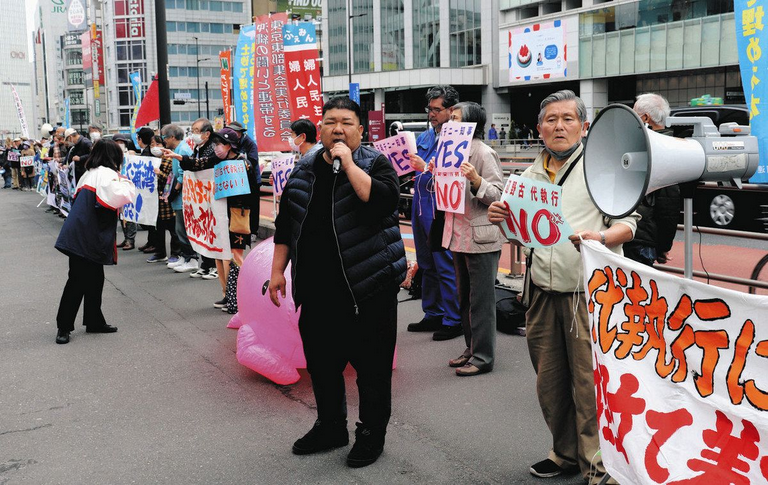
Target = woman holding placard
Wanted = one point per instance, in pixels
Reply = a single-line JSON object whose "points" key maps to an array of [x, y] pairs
{"points": [[88, 238], [476, 247]]}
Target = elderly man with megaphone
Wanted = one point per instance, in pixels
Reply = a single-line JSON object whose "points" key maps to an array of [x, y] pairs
{"points": [[557, 327]]}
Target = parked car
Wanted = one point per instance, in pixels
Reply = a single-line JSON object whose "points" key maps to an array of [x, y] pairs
{"points": [[720, 206]]}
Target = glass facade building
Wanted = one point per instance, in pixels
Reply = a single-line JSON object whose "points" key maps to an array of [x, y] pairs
{"points": [[426, 33]]}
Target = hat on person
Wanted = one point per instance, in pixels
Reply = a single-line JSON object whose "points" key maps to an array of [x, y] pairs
{"points": [[26, 144], [96, 126], [17, 139], [236, 126], [121, 138], [226, 135], [69, 132]]}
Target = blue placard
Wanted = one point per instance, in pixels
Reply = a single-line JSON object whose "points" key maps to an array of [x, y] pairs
{"points": [[754, 75], [354, 92], [230, 178], [242, 74]]}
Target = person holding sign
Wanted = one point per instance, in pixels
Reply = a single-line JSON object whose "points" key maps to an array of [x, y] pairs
{"points": [[165, 217], [557, 321], [438, 299], [88, 238], [26, 168], [476, 247], [338, 227]]}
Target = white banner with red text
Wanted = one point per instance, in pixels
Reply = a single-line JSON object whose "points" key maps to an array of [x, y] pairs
{"points": [[680, 372], [205, 218]]}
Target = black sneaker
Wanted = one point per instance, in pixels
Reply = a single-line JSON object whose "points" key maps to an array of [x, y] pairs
{"points": [[220, 304], [447, 332], [62, 337], [427, 324], [322, 437], [548, 469], [369, 444]]}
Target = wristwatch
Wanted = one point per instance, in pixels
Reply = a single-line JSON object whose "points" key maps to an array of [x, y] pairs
{"points": [[602, 238]]}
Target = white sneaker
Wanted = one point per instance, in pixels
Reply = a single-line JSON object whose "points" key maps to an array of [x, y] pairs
{"points": [[213, 274], [175, 264], [187, 266]]}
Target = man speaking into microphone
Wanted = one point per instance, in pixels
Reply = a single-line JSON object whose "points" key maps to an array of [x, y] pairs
{"points": [[338, 226]]}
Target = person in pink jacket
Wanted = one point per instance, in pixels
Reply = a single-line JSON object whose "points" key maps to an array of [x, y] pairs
{"points": [[88, 238]]}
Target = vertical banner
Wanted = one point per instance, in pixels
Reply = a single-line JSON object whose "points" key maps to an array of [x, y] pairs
{"points": [[273, 118], [397, 149], [97, 60], [136, 83], [754, 75], [680, 373], [376, 129], [85, 46], [225, 59], [20, 112], [303, 71], [141, 171], [452, 150], [67, 117], [230, 178], [354, 92], [535, 213], [282, 167], [205, 218], [243, 84]]}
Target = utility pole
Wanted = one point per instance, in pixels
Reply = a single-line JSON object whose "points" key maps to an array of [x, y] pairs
{"points": [[207, 106], [197, 71], [163, 86]]}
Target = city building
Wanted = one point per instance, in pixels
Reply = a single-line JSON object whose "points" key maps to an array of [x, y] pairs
{"points": [[16, 72]]}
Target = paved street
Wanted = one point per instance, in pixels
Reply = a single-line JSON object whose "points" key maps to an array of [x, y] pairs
{"points": [[165, 401]]}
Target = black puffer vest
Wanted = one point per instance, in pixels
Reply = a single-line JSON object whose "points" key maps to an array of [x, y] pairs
{"points": [[372, 251]]}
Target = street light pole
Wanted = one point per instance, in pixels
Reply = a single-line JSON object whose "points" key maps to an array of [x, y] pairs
{"points": [[197, 71], [349, 39]]}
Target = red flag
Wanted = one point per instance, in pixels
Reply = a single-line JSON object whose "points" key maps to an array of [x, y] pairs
{"points": [[150, 106]]}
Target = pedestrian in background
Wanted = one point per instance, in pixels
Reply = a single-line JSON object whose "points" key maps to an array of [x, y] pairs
{"points": [[88, 239], [476, 247]]}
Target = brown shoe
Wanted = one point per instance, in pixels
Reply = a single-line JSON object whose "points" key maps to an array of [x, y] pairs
{"points": [[128, 246], [122, 244], [471, 370], [459, 361]]}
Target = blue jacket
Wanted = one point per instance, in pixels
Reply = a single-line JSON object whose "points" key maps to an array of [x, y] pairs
{"points": [[426, 148], [183, 149], [367, 234], [89, 230]]}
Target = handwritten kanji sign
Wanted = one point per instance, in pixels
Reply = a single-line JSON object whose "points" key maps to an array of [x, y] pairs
{"points": [[536, 216], [26, 161], [271, 90], [452, 150], [396, 149], [141, 171], [303, 71], [231, 178], [281, 170], [205, 218], [243, 72], [680, 372]]}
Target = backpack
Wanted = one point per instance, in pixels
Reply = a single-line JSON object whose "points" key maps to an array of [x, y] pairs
{"points": [[510, 313]]}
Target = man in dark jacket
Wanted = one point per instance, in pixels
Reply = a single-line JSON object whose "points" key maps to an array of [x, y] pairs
{"points": [[660, 210], [338, 226], [81, 148], [247, 146]]}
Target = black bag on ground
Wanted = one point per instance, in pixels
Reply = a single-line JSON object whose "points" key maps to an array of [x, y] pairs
{"points": [[510, 313]]}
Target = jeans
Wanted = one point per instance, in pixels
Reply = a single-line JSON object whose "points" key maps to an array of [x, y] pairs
{"points": [[129, 231], [185, 249]]}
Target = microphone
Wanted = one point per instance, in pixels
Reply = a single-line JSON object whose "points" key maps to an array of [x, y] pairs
{"points": [[336, 164]]}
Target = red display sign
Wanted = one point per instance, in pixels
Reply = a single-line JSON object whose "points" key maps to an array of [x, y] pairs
{"points": [[376, 129], [225, 59], [133, 27], [303, 71], [272, 108], [85, 43]]}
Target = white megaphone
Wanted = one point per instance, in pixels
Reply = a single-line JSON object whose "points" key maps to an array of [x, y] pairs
{"points": [[624, 161]]}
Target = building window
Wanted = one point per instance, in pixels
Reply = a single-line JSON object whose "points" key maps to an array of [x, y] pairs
{"points": [[75, 58], [130, 50], [362, 29], [125, 116], [392, 35], [76, 98], [337, 37], [124, 70], [465, 32], [125, 96], [426, 35], [74, 77]]}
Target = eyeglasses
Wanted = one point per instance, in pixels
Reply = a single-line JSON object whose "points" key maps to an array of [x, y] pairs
{"points": [[435, 111]]}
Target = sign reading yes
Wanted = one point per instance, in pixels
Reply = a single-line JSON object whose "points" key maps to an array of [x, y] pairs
{"points": [[452, 150], [396, 149]]}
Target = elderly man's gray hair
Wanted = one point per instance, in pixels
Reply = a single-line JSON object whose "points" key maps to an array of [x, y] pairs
{"points": [[174, 131], [653, 105], [564, 95], [205, 125]]}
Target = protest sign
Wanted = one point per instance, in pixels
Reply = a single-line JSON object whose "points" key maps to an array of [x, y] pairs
{"points": [[303, 71], [396, 149], [42, 180], [242, 85], [452, 150], [26, 161], [680, 374], [231, 178], [281, 170], [65, 188], [271, 89], [536, 217], [13, 156], [205, 218], [141, 171]]}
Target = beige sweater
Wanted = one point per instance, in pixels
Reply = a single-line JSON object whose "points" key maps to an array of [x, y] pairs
{"points": [[471, 232], [558, 268]]}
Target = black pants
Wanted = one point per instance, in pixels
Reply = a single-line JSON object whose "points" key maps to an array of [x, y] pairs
{"points": [[334, 336], [86, 282], [157, 237]]}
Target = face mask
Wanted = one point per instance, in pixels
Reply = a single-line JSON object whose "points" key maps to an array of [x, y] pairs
{"points": [[123, 147], [293, 145], [156, 151], [565, 154], [197, 138], [95, 136], [221, 151]]}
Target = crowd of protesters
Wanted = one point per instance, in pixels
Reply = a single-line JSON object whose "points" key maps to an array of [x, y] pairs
{"points": [[338, 212]]}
